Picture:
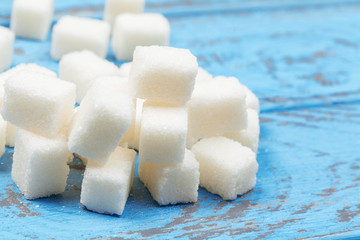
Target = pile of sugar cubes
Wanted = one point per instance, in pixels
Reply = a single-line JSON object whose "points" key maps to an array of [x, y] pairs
{"points": [[190, 129]]}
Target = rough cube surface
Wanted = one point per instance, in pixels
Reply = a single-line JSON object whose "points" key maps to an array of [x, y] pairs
{"points": [[38, 103], [32, 19], [217, 107], [116, 7], [162, 134], [105, 188], [83, 68], [7, 39], [30, 67], [226, 167], [132, 30], [39, 165], [172, 183], [75, 34], [248, 137], [163, 74], [103, 118]]}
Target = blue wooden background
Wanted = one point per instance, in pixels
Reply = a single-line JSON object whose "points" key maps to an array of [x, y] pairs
{"points": [[302, 59]]}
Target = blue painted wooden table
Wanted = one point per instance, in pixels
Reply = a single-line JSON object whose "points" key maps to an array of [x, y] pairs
{"points": [[302, 59]]}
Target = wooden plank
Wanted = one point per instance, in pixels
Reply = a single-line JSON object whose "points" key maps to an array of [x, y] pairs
{"points": [[300, 58]]}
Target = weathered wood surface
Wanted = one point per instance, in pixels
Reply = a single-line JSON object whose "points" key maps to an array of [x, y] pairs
{"points": [[302, 59]]}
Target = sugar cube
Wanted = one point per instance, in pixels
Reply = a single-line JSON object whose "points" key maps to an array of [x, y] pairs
{"points": [[76, 33], [7, 39], [162, 134], [32, 19], [10, 134], [217, 107], [83, 68], [39, 165], [226, 167], [248, 137], [105, 188], [131, 30], [163, 74], [38, 103], [116, 7], [103, 118], [172, 183]]}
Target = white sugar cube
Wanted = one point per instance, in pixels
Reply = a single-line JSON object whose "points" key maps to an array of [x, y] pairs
{"points": [[32, 19], [163, 74], [38, 103], [75, 34], [7, 39], [248, 137], [172, 183], [10, 134], [131, 137], [217, 107], [131, 30], [83, 68], [103, 117], [162, 134], [39, 165], [125, 69], [226, 167], [116, 7], [105, 188]]}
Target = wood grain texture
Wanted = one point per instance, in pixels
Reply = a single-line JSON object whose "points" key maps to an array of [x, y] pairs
{"points": [[301, 58]]}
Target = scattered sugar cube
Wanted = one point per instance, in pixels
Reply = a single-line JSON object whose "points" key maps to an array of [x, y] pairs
{"points": [[39, 165], [83, 68], [226, 167], [163, 74], [162, 134], [7, 39], [38, 103], [172, 183], [125, 69], [32, 19], [248, 137], [75, 34], [103, 118], [105, 188], [131, 137], [10, 134], [133, 30], [217, 107], [115, 7]]}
